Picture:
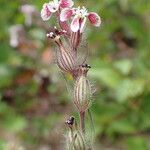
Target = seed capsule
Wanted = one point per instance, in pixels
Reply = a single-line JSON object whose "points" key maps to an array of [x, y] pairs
{"points": [[65, 58], [82, 90]]}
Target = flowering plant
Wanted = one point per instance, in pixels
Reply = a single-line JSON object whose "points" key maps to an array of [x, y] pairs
{"points": [[72, 23]]}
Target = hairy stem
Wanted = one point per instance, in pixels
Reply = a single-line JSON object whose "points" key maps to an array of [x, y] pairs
{"points": [[82, 121]]}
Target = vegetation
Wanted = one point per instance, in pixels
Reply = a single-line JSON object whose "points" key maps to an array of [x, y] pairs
{"points": [[33, 97]]}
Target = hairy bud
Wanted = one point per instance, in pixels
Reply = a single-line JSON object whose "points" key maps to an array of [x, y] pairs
{"points": [[74, 138], [82, 89], [65, 58]]}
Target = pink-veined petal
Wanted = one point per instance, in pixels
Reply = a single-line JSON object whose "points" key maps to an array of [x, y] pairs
{"points": [[65, 14], [66, 3], [53, 6], [45, 12], [82, 26], [94, 19], [75, 24]]}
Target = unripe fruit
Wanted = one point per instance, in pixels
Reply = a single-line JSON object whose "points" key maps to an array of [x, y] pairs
{"points": [[82, 90]]}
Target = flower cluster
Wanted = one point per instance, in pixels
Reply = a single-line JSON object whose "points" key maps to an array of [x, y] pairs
{"points": [[72, 24], [64, 10]]}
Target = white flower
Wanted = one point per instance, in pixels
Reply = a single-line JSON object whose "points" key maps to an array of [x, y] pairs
{"points": [[54, 6], [45, 12], [80, 17]]}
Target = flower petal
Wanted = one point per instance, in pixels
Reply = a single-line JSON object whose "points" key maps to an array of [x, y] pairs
{"points": [[75, 24], [66, 3], [45, 12], [82, 26], [53, 6], [94, 19], [55, 1], [66, 14]]}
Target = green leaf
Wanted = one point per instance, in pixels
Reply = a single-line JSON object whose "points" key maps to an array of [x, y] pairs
{"points": [[122, 126], [107, 76], [38, 34], [6, 74], [10, 120], [124, 66], [14, 123], [3, 144], [136, 143], [129, 89]]}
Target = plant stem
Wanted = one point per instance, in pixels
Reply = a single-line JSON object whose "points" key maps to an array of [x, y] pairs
{"points": [[82, 121]]}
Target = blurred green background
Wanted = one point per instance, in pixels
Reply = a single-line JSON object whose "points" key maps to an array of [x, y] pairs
{"points": [[34, 102]]}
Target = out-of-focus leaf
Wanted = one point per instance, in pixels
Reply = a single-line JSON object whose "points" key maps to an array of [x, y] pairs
{"points": [[107, 76], [11, 121], [4, 53], [136, 143], [145, 104], [122, 126], [2, 144], [129, 88], [104, 114], [124, 4], [144, 121], [14, 123], [38, 34], [43, 125], [6, 74], [9, 55], [132, 27], [124, 66]]}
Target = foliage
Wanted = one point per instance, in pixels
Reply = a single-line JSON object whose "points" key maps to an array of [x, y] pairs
{"points": [[33, 102]]}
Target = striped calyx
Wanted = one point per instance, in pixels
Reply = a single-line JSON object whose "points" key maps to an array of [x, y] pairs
{"points": [[75, 39], [74, 138], [65, 58], [82, 89]]}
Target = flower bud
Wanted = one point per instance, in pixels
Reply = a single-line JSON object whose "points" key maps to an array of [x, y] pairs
{"points": [[74, 138], [82, 89], [65, 58]]}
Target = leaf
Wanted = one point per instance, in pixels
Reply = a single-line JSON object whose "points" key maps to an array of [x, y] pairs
{"points": [[136, 143], [10, 120], [124, 66], [2, 144], [104, 113], [14, 123], [6, 74], [122, 126], [107, 75], [129, 88], [123, 4], [38, 34]]}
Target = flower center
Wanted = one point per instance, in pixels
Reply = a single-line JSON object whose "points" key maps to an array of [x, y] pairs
{"points": [[81, 12]]}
